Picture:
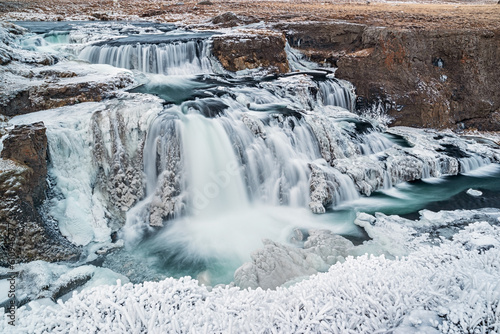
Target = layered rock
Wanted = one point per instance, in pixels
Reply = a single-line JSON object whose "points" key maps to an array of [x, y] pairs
{"points": [[424, 78], [251, 50], [23, 175], [28, 90]]}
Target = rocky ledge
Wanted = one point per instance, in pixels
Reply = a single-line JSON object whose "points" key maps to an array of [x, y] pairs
{"points": [[252, 49], [423, 78]]}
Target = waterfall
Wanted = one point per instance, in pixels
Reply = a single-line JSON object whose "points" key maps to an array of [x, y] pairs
{"points": [[333, 93], [195, 178], [191, 57], [472, 162]]}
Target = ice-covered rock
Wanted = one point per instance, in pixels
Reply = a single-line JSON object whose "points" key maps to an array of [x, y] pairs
{"points": [[40, 281], [276, 263], [474, 192], [101, 161], [28, 89], [442, 288]]}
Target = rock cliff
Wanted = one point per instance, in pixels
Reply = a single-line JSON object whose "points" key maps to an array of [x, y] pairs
{"points": [[423, 78]]}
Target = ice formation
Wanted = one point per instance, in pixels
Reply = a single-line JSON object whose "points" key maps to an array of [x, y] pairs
{"points": [[366, 294], [198, 175]]}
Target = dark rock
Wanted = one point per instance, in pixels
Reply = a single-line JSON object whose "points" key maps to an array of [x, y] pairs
{"points": [[23, 171], [152, 12], [425, 78], [27, 145], [227, 20], [69, 286], [258, 50], [101, 16], [5, 57]]}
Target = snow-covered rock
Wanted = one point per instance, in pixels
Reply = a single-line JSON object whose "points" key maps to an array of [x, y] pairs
{"points": [[474, 192]]}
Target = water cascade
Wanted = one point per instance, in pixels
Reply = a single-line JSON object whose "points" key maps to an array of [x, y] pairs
{"points": [[191, 57], [194, 180]]}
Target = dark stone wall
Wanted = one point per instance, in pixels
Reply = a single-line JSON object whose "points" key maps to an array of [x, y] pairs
{"points": [[425, 78]]}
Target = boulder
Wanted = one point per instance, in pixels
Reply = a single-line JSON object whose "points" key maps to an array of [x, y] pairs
{"points": [[230, 19]]}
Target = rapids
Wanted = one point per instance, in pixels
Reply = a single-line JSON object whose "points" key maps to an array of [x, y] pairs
{"points": [[194, 166]]}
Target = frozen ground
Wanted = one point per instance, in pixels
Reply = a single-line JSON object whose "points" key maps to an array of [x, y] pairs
{"points": [[441, 286]]}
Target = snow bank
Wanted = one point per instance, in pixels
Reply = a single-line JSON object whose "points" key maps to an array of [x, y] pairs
{"points": [[450, 288]]}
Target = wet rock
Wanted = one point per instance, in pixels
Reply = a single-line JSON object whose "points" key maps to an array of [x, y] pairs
{"points": [[263, 49], [23, 170]]}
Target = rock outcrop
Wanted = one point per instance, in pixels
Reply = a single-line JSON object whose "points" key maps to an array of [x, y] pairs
{"points": [[251, 50], [28, 87], [27, 145], [33, 89], [23, 172], [423, 78]]}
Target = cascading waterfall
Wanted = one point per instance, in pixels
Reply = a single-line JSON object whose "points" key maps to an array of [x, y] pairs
{"points": [[336, 95], [191, 57], [202, 176], [473, 162]]}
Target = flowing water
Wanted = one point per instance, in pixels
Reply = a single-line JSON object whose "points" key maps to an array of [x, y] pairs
{"points": [[227, 160]]}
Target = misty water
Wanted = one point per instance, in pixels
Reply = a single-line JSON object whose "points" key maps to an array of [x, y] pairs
{"points": [[229, 187]]}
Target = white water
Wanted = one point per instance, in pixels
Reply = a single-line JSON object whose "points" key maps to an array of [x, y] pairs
{"points": [[190, 57], [220, 171]]}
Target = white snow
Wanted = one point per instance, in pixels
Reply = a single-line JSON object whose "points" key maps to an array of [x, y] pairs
{"points": [[367, 294]]}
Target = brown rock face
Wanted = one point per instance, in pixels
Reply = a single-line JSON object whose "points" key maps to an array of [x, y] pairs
{"points": [[258, 49], [27, 145], [424, 78], [49, 96], [23, 172]]}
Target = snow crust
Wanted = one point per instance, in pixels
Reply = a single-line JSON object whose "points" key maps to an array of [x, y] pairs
{"points": [[366, 294]]}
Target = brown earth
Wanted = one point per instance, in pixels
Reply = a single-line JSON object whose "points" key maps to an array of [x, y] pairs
{"points": [[421, 15]]}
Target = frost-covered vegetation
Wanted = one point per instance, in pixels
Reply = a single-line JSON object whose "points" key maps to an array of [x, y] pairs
{"points": [[450, 286]]}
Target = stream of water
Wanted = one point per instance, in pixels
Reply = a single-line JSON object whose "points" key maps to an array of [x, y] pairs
{"points": [[228, 159]]}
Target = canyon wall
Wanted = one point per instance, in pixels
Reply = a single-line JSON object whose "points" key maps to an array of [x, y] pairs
{"points": [[424, 78]]}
